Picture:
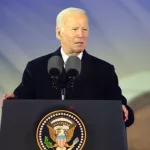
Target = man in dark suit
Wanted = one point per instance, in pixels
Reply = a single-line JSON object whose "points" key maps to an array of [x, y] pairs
{"points": [[97, 81]]}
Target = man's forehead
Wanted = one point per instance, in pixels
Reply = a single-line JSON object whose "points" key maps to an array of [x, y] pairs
{"points": [[76, 19]]}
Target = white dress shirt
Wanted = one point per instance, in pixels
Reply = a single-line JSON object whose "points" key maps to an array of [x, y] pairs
{"points": [[65, 57]]}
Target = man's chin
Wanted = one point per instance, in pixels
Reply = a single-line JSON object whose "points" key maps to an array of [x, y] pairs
{"points": [[79, 50]]}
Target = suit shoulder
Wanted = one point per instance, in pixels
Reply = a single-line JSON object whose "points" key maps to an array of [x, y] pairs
{"points": [[101, 63], [38, 64], [40, 60]]}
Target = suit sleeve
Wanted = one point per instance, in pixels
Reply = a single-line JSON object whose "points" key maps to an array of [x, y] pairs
{"points": [[26, 88], [114, 92]]}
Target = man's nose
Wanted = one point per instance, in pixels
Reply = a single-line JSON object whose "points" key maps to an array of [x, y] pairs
{"points": [[80, 33]]}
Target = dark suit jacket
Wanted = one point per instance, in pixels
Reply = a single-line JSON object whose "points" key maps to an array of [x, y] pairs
{"points": [[97, 81]]}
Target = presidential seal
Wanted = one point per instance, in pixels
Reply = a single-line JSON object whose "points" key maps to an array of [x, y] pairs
{"points": [[61, 130]]}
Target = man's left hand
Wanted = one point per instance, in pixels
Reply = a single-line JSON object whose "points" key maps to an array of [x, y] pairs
{"points": [[125, 113]]}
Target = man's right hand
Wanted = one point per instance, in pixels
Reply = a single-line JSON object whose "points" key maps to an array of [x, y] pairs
{"points": [[6, 96]]}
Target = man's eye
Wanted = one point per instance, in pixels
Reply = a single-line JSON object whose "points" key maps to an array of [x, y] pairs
{"points": [[74, 29]]}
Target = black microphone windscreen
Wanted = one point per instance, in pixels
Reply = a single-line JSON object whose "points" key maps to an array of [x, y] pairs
{"points": [[73, 66], [55, 65]]}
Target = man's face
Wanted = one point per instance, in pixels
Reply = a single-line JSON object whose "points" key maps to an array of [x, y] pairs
{"points": [[74, 35]]}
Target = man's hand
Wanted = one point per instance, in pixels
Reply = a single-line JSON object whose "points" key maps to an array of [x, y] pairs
{"points": [[125, 113], [5, 96]]}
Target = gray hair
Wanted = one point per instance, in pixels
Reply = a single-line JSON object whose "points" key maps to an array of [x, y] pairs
{"points": [[60, 16]]}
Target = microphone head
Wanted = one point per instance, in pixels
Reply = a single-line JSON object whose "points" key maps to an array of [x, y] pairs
{"points": [[55, 66], [73, 66]]}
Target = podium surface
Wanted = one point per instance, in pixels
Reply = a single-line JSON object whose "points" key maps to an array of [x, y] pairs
{"points": [[103, 121]]}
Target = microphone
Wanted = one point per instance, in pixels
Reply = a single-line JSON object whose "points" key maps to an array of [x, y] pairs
{"points": [[55, 67], [73, 69]]}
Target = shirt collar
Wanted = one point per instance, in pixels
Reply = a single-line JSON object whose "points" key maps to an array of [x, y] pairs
{"points": [[65, 57]]}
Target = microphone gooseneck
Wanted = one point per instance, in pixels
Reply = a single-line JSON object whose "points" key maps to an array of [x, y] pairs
{"points": [[63, 79]]}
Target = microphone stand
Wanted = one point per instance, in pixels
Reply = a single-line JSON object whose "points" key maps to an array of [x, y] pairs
{"points": [[71, 82], [70, 85], [63, 93], [54, 82]]}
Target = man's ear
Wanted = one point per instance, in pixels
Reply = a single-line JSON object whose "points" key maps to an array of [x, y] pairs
{"points": [[58, 33]]}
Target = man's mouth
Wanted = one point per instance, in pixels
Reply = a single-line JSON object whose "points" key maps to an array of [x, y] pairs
{"points": [[79, 43]]}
